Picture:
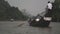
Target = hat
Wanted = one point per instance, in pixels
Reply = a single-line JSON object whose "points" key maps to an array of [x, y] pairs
{"points": [[48, 1]]}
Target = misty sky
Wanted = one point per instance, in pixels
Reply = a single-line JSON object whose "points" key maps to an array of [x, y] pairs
{"points": [[32, 6]]}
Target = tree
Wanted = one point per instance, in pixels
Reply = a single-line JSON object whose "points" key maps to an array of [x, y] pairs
{"points": [[7, 12], [56, 10], [14, 13]]}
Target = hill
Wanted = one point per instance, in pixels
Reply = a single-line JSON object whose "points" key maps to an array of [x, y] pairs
{"points": [[7, 12]]}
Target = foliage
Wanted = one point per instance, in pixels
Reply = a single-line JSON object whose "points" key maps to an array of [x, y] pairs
{"points": [[56, 11], [7, 12]]}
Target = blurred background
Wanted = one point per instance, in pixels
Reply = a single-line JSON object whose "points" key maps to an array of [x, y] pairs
{"points": [[14, 15], [23, 9]]}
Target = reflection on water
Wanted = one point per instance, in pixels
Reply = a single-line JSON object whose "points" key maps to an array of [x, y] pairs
{"points": [[48, 30], [45, 30], [53, 29], [13, 28], [37, 30]]}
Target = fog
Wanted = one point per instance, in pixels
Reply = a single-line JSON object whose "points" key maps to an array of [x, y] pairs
{"points": [[32, 7]]}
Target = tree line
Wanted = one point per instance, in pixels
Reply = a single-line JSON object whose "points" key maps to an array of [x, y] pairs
{"points": [[56, 11], [7, 12]]}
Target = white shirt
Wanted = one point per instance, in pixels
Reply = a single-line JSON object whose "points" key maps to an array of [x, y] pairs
{"points": [[49, 6]]}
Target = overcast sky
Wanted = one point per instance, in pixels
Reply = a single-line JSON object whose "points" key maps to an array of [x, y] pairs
{"points": [[32, 6]]}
